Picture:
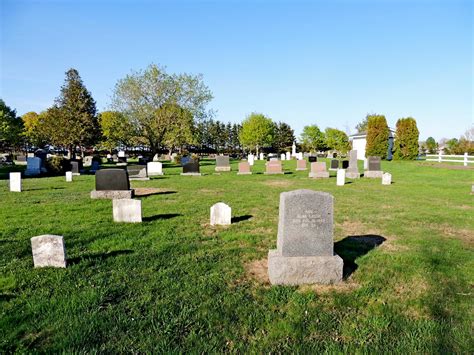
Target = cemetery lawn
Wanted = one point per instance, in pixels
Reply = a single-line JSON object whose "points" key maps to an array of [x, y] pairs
{"points": [[175, 284]]}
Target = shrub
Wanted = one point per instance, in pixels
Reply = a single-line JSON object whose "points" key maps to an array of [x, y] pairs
{"points": [[377, 136], [406, 143], [57, 165]]}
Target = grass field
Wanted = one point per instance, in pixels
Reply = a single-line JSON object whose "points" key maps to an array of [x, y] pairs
{"points": [[176, 284]]}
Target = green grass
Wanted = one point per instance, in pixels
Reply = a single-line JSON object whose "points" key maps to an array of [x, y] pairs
{"points": [[175, 284]]}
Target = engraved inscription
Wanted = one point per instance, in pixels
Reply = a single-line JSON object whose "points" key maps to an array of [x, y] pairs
{"points": [[307, 219]]}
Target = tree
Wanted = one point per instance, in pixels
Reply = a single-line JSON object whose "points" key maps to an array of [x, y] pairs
{"points": [[257, 132], [431, 145], [466, 142], [377, 136], [72, 121], [362, 126], [35, 130], [11, 127], [406, 143], [337, 140], [181, 131], [149, 99], [452, 146], [116, 130], [312, 138], [284, 137]]}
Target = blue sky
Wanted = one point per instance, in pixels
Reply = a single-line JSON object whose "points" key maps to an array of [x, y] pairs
{"points": [[302, 62]]}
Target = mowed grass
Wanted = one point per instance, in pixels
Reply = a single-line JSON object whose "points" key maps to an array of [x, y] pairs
{"points": [[175, 284]]}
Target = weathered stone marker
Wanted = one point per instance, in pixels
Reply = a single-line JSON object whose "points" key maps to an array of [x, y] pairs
{"points": [[273, 167], [191, 168], [154, 168], [15, 182], [75, 168], [305, 247], [386, 179], [373, 168], [318, 170], [282, 156], [251, 159], [334, 164], [352, 171], [244, 168], [221, 214], [288, 156], [137, 172], [112, 184], [68, 176], [127, 210], [222, 163], [48, 250], [301, 165], [341, 177], [33, 166]]}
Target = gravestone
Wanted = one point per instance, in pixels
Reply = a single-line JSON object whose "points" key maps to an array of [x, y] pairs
{"points": [[386, 179], [221, 214], [373, 168], [185, 160], [21, 159], [341, 177], [127, 210], [288, 156], [273, 167], [318, 170], [293, 150], [244, 168], [251, 159], [262, 156], [345, 164], [282, 156], [155, 168], [156, 157], [15, 182], [352, 171], [334, 164], [137, 172], [222, 163], [312, 159], [115, 158], [299, 155], [112, 184], [121, 154], [48, 250], [305, 246], [33, 166], [301, 165], [191, 168], [88, 161], [75, 168], [68, 176], [94, 166]]}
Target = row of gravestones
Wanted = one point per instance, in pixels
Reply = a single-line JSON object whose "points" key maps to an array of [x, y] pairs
{"points": [[305, 246]]}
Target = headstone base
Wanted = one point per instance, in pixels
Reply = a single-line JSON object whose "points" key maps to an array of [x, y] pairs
{"points": [[301, 169], [298, 270], [76, 174], [155, 174], [223, 168], [321, 175], [139, 178], [247, 173], [350, 175], [111, 194], [121, 164], [191, 174], [32, 172], [373, 174]]}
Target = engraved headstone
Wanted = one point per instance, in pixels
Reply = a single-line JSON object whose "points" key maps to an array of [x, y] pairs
{"points": [[251, 159], [301, 165], [262, 156], [127, 210], [305, 247], [221, 214], [222, 163], [352, 171], [244, 168], [345, 164], [334, 164], [155, 168], [33, 166], [386, 179], [185, 160], [48, 250], [312, 159], [68, 176], [112, 184], [288, 156], [341, 177], [75, 168], [137, 172], [282, 156], [191, 168], [273, 167], [318, 170], [15, 182], [373, 168]]}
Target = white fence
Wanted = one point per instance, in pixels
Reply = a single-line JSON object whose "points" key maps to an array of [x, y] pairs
{"points": [[466, 159]]}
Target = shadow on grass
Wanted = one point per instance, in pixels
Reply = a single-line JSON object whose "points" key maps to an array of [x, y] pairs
{"points": [[44, 188], [145, 192], [161, 217], [241, 218], [97, 256], [353, 247], [6, 296]]}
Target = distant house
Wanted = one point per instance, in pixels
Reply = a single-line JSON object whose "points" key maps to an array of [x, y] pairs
{"points": [[359, 141]]}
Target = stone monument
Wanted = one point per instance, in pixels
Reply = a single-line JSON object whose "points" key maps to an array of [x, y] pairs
{"points": [[318, 171], [273, 167], [154, 168], [191, 168], [341, 177], [137, 172], [48, 250], [221, 214], [112, 184], [127, 210], [33, 166], [352, 171], [386, 179], [222, 163], [244, 168], [68, 176], [373, 168], [301, 165], [15, 182]]}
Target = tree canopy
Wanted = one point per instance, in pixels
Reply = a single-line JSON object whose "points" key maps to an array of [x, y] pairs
{"points": [[11, 127], [284, 136], [257, 132], [337, 140], [406, 143], [313, 138]]}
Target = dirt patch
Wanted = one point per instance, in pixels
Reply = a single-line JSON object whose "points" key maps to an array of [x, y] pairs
{"points": [[258, 271], [277, 183], [344, 286], [147, 191], [211, 191], [465, 235], [447, 166]]}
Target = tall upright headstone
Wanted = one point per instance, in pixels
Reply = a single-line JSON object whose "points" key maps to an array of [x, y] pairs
{"points": [[282, 156], [352, 171], [341, 177], [15, 182], [48, 250], [374, 169], [221, 214], [305, 247], [262, 156], [127, 210], [334, 164], [293, 149], [288, 156], [251, 159]]}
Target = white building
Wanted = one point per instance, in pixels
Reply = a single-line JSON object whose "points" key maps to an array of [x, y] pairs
{"points": [[359, 141]]}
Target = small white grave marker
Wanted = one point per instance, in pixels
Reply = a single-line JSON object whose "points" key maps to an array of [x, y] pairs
{"points": [[341, 177], [221, 214], [127, 210], [68, 176], [154, 168], [48, 250], [386, 179], [15, 182]]}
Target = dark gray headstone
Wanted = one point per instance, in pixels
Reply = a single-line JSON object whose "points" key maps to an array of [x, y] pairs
{"points": [[345, 164], [112, 179], [312, 159], [305, 225], [374, 164], [75, 168], [95, 166], [122, 159], [185, 160], [191, 167], [334, 164]]}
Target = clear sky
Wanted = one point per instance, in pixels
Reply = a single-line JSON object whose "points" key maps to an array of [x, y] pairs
{"points": [[302, 62]]}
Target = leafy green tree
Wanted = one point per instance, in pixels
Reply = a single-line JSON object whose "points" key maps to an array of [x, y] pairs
{"points": [[431, 145], [362, 126], [452, 146], [181, 131], [257, 132], [377, 136], [284, 137], [337, 140], [313, 138], [116, 130], [142, 95], [406, 143], [11, 127]]}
